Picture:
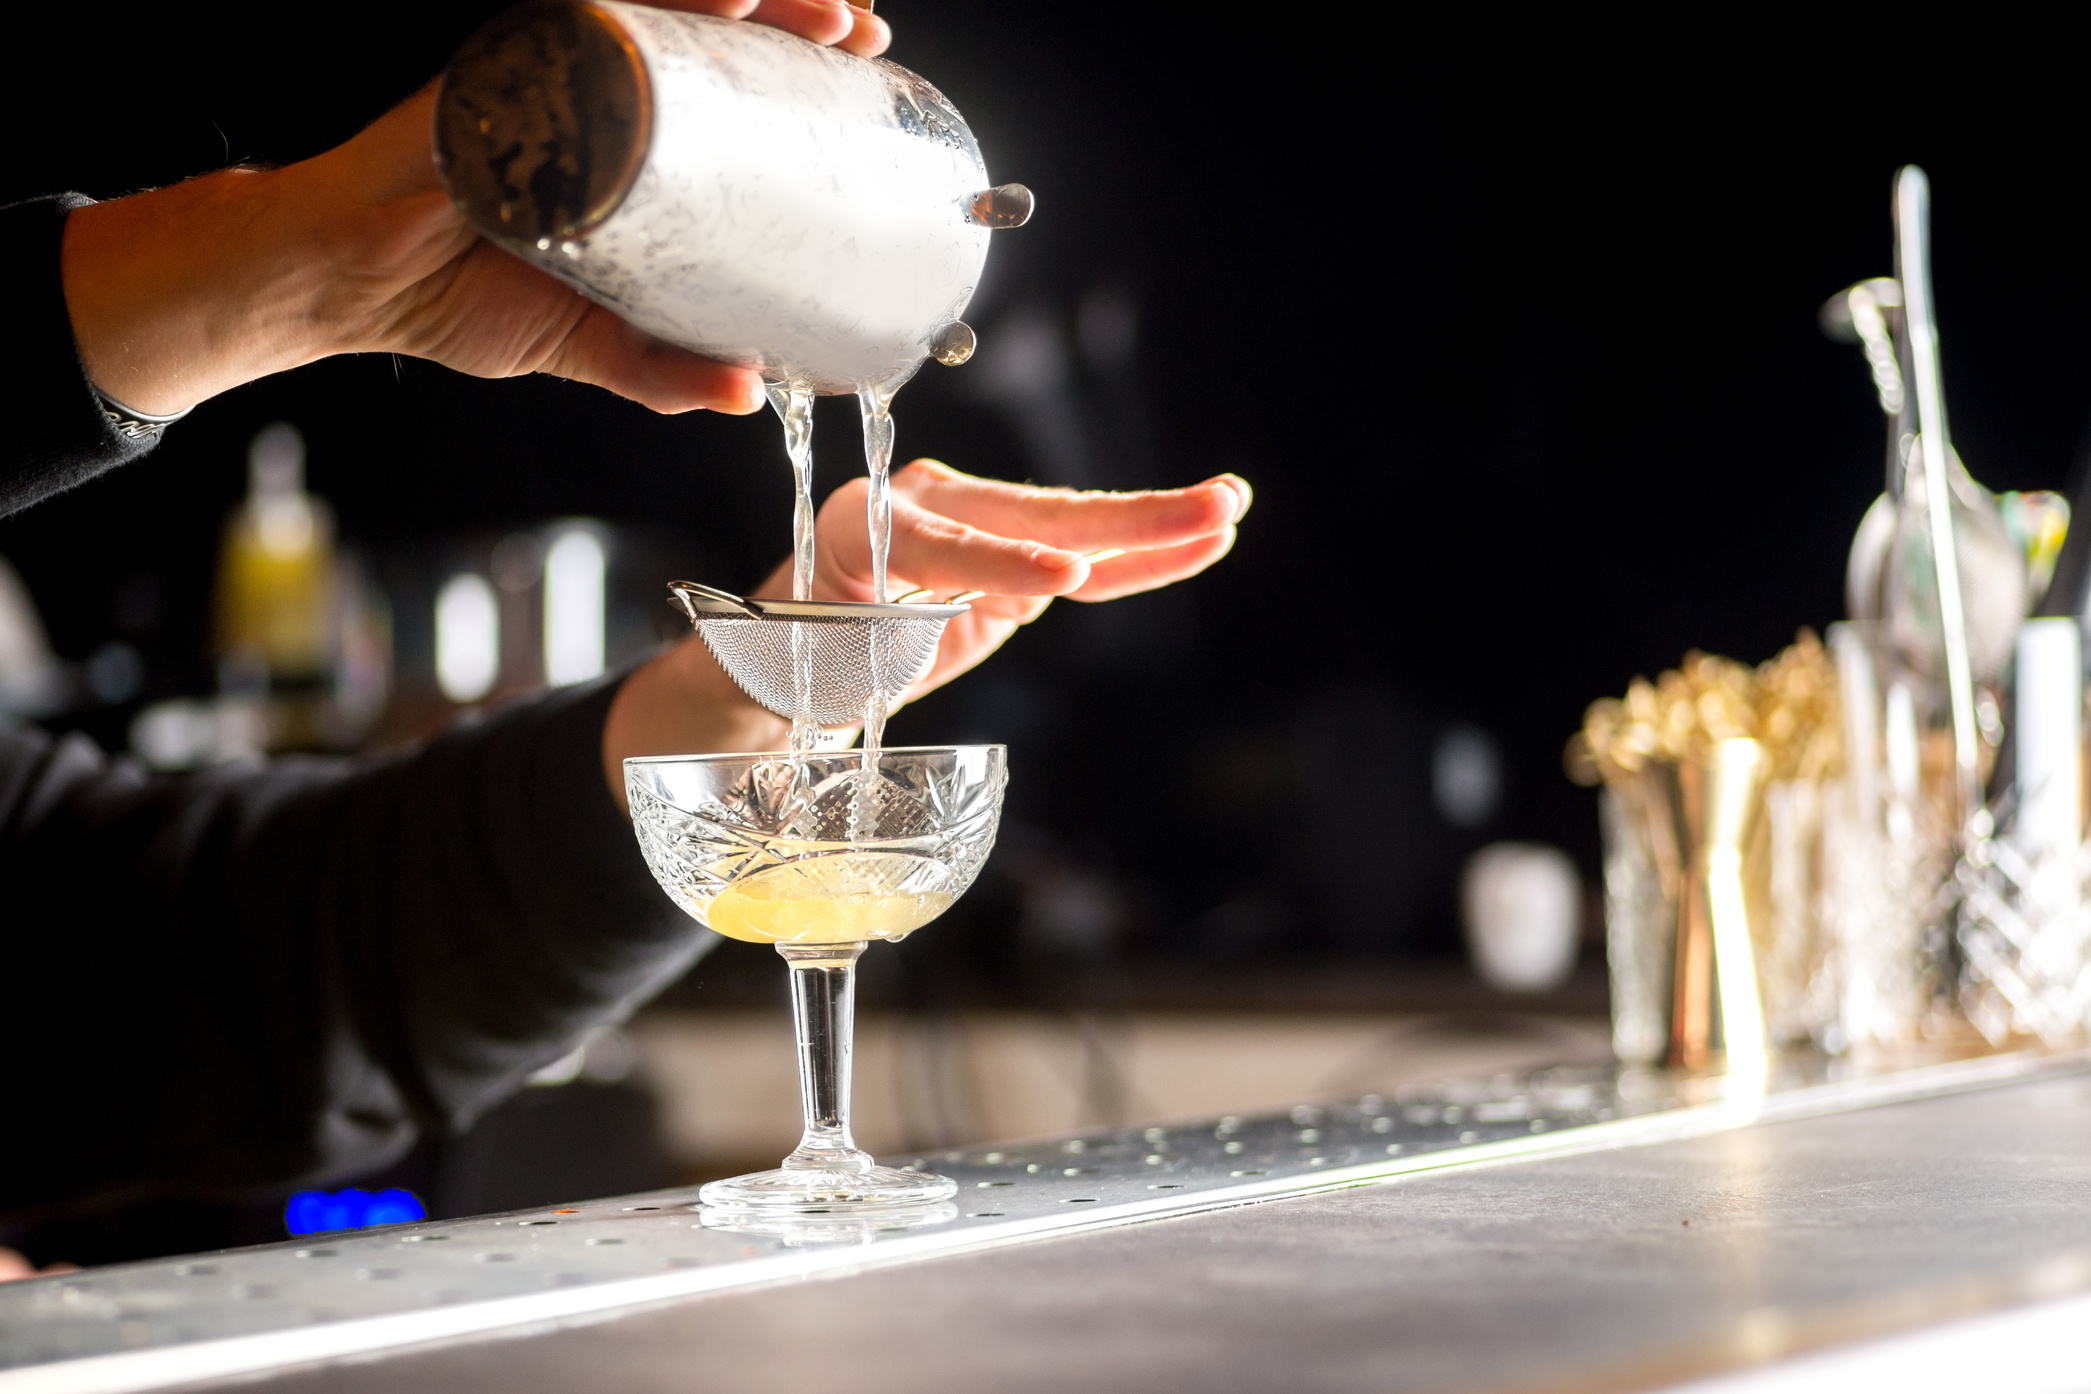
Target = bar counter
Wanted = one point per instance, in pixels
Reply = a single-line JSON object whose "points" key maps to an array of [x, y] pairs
{"points": [[1570, 1230]]}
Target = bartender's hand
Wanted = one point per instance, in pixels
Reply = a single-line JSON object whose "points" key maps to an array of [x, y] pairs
{"points": [[1021, 544], [181, 293]]}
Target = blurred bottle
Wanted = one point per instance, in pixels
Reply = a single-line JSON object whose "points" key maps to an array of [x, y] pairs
{"points": [[303, 639], [274, 574]]}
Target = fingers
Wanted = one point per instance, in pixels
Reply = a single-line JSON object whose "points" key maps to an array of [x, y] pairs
{"points": [[848, 27], [941, 553], [13, 1266], [1083, 522], [1167, 536], [952, 533], [971, 637], [399, 159], [869, 36], [974, 635], [1161, 566], [494, 316], [723, 9], [941, 543], [604, 350]]}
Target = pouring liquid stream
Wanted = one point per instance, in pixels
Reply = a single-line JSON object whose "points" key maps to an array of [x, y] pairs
{"points": [[793, 403], [875, 405]]}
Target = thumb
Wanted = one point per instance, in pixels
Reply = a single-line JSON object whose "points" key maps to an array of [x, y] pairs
{"points": [[602, 349]]}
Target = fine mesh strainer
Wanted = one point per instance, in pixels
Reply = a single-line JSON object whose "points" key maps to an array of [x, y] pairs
{"points": [[849, 651]]}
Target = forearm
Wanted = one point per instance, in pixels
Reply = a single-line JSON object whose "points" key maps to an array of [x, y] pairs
{"points": [[181, 293], [185, 292], [265, 976], [178, 294]]}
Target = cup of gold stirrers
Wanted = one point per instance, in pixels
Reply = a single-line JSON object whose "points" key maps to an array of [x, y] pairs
{"points": [[1714, 780]]}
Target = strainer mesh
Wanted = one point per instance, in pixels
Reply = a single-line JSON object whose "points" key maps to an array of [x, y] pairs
{"points": [[849, 659]]}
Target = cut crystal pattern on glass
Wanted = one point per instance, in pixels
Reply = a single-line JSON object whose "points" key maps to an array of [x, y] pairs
{"points": [[2025, 941], [819, 855], [929, 829]]}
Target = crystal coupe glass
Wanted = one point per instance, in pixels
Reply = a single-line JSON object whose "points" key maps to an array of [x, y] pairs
{"points": [[819, 855]]}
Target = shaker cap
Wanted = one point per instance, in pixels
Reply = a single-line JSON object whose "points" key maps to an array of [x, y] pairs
{"points": [[543, 121]]}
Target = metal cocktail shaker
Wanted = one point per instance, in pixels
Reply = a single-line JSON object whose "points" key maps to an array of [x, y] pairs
{"points": [[728, 187]]}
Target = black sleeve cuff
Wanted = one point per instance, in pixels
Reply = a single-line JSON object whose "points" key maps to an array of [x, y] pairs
{"points": [[58, 436]]}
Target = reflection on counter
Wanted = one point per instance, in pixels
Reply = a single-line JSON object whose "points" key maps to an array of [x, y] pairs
{"points": [[728, 1096], [323, 1212]]}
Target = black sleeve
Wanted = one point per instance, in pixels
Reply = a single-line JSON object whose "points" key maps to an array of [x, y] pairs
{"points": [[245, 979], [56, 435]]}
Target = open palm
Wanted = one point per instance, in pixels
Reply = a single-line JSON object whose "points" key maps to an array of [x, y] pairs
{"points": [[1022, 545]]}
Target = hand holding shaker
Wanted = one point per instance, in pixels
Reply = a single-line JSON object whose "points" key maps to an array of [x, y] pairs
{"points": [[730, 188]]}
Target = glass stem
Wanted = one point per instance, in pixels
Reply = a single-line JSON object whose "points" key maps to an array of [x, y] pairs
{"points": [[824, 1008]]}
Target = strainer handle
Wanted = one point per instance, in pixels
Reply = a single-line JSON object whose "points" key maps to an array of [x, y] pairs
{"points": [[681, 591]]}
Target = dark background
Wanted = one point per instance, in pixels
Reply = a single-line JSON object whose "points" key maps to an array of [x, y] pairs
{"points": [[1513, 328], [1514, 333]]}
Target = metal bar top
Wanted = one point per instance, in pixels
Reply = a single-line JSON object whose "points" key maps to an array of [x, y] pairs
{"points": [[246, 1311]]}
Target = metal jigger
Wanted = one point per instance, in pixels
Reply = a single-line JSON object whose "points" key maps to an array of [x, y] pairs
{"points": [[1691, 822]]}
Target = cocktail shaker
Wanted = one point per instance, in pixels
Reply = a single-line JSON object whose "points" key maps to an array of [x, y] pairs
{"points": [[728, 187]]}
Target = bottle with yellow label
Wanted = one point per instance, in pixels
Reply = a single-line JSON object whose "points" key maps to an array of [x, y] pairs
{"points": [[275, 607]]}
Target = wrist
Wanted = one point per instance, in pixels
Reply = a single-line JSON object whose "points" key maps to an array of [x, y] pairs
{"points": [[178, 294]]}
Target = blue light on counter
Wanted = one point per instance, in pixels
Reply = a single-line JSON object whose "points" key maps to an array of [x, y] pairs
{"points": [[316, 1212]]}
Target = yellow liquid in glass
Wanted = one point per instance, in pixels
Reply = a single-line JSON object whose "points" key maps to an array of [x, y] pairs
{"points": [[841, 899]]}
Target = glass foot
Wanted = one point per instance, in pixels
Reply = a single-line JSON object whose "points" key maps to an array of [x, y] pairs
{"points": [[783, 1192], [834, 1227]]}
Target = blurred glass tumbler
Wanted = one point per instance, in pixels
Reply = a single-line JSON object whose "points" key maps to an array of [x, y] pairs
{"points": [[819, 855], [1889, 840], [1521, 903], [1678, 907], [2024, 929], [730, 188]]}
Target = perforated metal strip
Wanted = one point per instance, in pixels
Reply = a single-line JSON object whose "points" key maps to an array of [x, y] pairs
{"points": [[146, 1326]]}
